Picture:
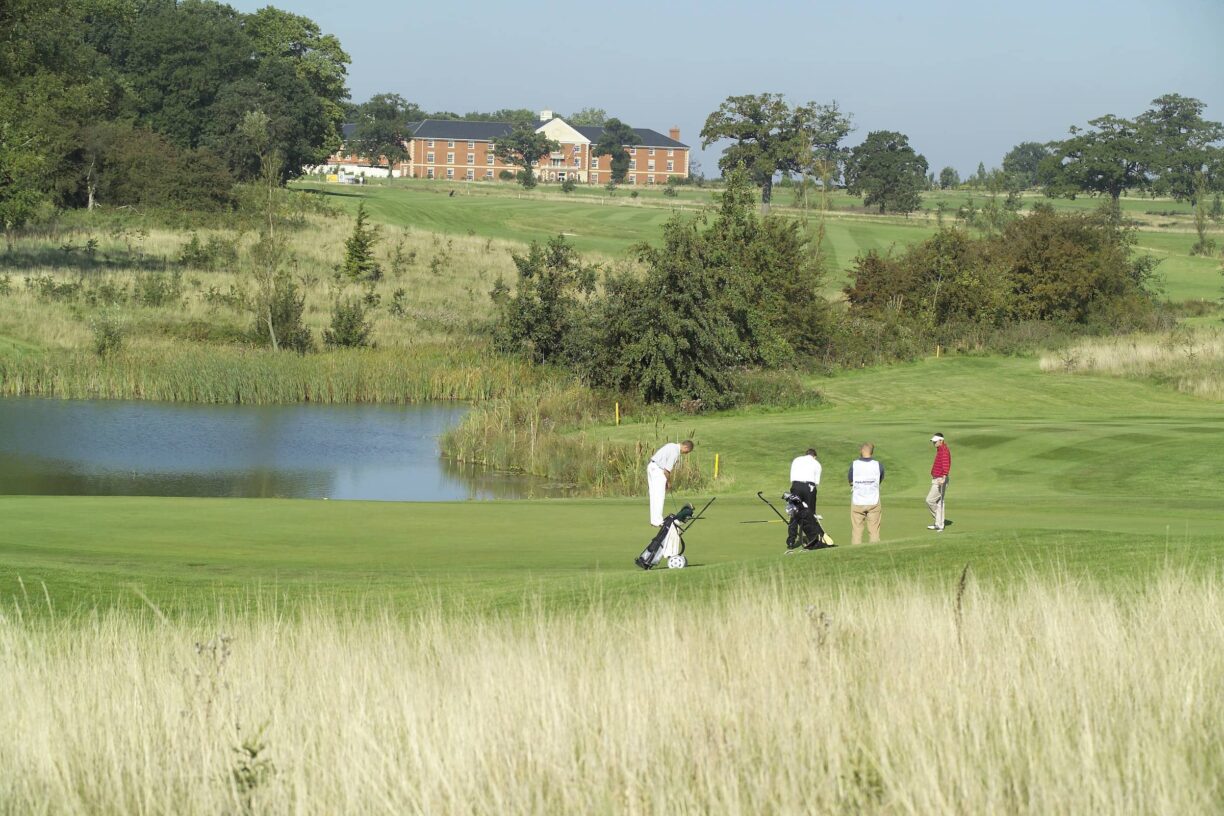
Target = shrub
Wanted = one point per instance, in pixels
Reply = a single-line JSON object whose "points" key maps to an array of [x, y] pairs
{"points": [[540, 317], [670, 191], [108, 334], [506, 175], [349, 327], [285, 313], [359, 261], [568, 185], [158, 289]]}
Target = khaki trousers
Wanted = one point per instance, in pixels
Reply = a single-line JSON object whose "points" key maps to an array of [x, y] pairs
{"points": [[865, 514], [935, 499]]}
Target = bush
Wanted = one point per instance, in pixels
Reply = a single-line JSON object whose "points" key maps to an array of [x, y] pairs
{"points": [[568, 185], [349, 327], [506, 175], [109, 333], [1065, 267], [359, 261], [670, 191], [158, 289], [285, 311]]}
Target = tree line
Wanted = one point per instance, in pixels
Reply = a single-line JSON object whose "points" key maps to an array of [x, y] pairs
{"points": [[141, 102], [1169, 149]]}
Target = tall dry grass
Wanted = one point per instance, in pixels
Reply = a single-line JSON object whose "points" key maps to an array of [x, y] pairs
{"points": [[552, 430], [1047, 697], [1192, 360]]}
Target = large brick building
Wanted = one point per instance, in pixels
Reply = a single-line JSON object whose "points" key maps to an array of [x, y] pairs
{"points": [[463, 150]]}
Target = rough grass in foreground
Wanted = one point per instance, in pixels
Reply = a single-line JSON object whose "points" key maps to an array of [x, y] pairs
{"points": [[1046, 696]]}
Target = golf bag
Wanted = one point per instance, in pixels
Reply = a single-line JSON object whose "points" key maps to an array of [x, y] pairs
{"points": [[667, 543], [803, 527]]}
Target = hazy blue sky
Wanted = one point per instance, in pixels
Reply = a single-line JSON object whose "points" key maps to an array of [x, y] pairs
{"points": [[964, 79]]}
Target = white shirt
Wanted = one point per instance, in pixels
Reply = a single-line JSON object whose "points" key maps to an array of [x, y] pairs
{"points": [[667, 456], [805, 469], [866, 475]]}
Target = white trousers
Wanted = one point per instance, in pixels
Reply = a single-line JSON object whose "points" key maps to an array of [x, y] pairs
{"points": [[656, 481]]}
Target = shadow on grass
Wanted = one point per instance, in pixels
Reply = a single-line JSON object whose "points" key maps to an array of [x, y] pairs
{"points": [[28, 259]]}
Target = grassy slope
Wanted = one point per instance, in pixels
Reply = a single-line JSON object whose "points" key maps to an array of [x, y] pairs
{"points": [[1095, 475], [609, 226]]}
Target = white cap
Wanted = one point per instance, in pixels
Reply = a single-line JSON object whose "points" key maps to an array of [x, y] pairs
{"points": [[937, 438]]}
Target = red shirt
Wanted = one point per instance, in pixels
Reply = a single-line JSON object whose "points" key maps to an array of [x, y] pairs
{"points": [[943, 462]]}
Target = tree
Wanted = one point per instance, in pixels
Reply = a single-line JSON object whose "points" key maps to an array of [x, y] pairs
{"points": [[616, 136], [1185, 157], [317, 58], [769, 137], [522, 148], [359, 261], [886, 171], [518, 117], [948, 178], [1023, 160], [382, 128], [1107, 159], [593, 117], [349, 327], [550, 296]]}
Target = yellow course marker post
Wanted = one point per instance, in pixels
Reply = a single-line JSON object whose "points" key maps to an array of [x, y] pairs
{"points": [[618, 413], [716, 466]]}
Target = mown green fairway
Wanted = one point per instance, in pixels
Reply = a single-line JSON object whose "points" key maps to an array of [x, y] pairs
{"points": [[1094, 476]]}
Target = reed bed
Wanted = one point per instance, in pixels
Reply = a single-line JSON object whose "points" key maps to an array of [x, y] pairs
{"points": [[1191, 360], [1045, 696], [551, 432], [258, 376]]}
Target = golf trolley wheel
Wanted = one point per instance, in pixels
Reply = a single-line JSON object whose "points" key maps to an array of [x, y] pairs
{"points": [[677, 562]]}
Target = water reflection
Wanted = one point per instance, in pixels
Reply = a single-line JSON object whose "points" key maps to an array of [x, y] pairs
{"points": [[374, 452]]}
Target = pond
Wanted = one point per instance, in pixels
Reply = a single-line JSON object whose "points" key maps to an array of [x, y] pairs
{"points": [[119, 448]]}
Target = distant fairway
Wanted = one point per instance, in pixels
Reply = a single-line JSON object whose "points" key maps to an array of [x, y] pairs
{"points": [[1094, 475], [596, 223]]}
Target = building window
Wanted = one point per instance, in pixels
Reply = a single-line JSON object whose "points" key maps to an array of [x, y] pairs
{"points": [[632, 151], [577, 161], [450, 158], [430, 143], [671, 166], [429, 173], [471, 174], [652, 151], [650, 179], [650, 164], [471, 145], [471, 158], [594, 178], [489, 158], [450, 172], [631, 179], [670, 153], [429, 158], [450, 142], [488, 174], [633, 164], [577, 148]]}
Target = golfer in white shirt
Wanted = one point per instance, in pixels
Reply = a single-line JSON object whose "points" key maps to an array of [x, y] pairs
{"points": [[658, 476]]}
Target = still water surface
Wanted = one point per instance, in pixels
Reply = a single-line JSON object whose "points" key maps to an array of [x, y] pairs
{"points": [[114, 448]]}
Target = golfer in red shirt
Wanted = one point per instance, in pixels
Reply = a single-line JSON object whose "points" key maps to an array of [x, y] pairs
{"points": [[939, 482]]}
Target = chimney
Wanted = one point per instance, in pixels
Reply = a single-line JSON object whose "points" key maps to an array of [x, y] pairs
{"points": [[674, 133], [546, 116]]}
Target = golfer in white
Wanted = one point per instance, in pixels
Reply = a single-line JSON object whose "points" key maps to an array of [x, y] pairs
{"points": [[658, 476]]}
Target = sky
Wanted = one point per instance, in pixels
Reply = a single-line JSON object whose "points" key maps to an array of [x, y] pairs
{"points": [[965, 80]]}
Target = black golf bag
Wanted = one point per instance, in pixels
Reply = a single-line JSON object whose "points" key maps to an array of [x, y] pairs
{"points": [[801, 512], [654, 550]]}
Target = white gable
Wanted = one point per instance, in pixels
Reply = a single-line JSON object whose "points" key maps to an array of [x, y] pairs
{"points": [[559, 131]]}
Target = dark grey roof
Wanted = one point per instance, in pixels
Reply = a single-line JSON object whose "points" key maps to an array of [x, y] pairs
{"points": [[347, 129], [650, 138], [461, 129]]}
